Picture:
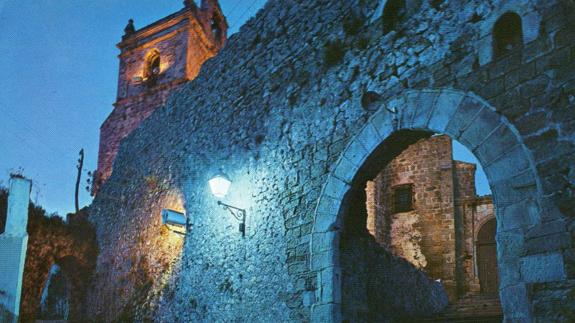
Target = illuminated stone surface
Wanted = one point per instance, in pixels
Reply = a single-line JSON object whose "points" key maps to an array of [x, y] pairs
{"points": [[279, 122]]}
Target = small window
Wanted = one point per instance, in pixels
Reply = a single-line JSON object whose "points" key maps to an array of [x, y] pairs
{"points": [[507, 34], [215, 26], [403, 198], [393, 13], [152, 67]]}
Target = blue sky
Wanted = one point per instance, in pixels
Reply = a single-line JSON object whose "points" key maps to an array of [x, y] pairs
{"points": [[59, 74]]}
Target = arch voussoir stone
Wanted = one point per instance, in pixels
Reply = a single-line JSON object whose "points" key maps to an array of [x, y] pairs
{"points": [[483, 124], [420, 109], [495, 144], [369, 137], [509, 164], [356, 153], [345, 170], [463, 117], [443, 109], [382, 121]]}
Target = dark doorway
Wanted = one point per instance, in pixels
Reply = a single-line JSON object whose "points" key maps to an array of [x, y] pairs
{"points": [[55, 302], [487, 258]]}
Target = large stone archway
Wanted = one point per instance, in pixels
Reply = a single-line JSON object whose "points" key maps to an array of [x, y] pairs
{"points": [[497, 145]]}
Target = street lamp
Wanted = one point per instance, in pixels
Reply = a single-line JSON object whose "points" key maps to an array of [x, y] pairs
{"points": [[219, 186]]}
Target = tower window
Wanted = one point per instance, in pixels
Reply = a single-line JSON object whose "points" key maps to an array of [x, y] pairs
{"points": [[152, 67], [393, 13], [507, 34], [215, 26], [403, 198]]}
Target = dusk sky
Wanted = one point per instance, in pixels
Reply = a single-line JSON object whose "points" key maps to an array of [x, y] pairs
{"points": [[60, 68]]}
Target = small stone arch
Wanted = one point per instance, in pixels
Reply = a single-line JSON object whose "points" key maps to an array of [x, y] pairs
{"points": [[530, 25], [480, 224], [467, 118], [152, 66], [507, 34], [484, 238], [71, 270]]}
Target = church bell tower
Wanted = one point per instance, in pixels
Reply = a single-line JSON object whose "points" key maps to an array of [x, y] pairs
{"points": [[154, 61]]}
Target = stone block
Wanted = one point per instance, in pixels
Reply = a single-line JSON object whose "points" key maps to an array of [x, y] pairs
{"points": [[512, 163], [553, 242], [12, 258], [543, 268], [327, 208], [531, 23], [484, 123], [308, 298], [514, 190], [369, 137], [356, 153], [509, 270], [499, 141], [382, 121], [335, 187], [329, 290], [326, 258], [17, 212], [510, 243], [519, 215], [422, 110], [411, 105], [547, 228], [345, 170], [485, 50], [325, 241], [445, 106], [515, 302], [326, 313], [463, 117]]}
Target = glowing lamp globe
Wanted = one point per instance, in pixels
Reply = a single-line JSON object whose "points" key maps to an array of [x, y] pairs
{"points": [[219, 185]]}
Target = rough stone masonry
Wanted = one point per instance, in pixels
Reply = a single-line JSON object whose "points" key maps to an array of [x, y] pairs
{"points": [[298, 109]]}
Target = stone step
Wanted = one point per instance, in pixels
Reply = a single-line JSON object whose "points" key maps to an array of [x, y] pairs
{"points": [[473, 308]]}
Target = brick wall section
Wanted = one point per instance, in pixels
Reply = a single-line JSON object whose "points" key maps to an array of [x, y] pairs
{"points": [[184, 41], [278, 119]]}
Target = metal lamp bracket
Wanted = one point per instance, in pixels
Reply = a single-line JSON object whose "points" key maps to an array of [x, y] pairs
{"points": [[239, 214]]}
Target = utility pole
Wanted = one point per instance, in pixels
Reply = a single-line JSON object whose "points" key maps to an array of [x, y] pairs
{"points": [[80, 165]]}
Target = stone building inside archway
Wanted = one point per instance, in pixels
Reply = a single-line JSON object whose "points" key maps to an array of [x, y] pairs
{"points": [[423, 207], [417, 237]]}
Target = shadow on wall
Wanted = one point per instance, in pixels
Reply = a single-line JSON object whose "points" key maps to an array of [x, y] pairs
{"points": [[376, 285]]}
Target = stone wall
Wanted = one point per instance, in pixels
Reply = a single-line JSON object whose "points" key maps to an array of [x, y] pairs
{"points": [[51, 241], [279, 107], [70, 246]]}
